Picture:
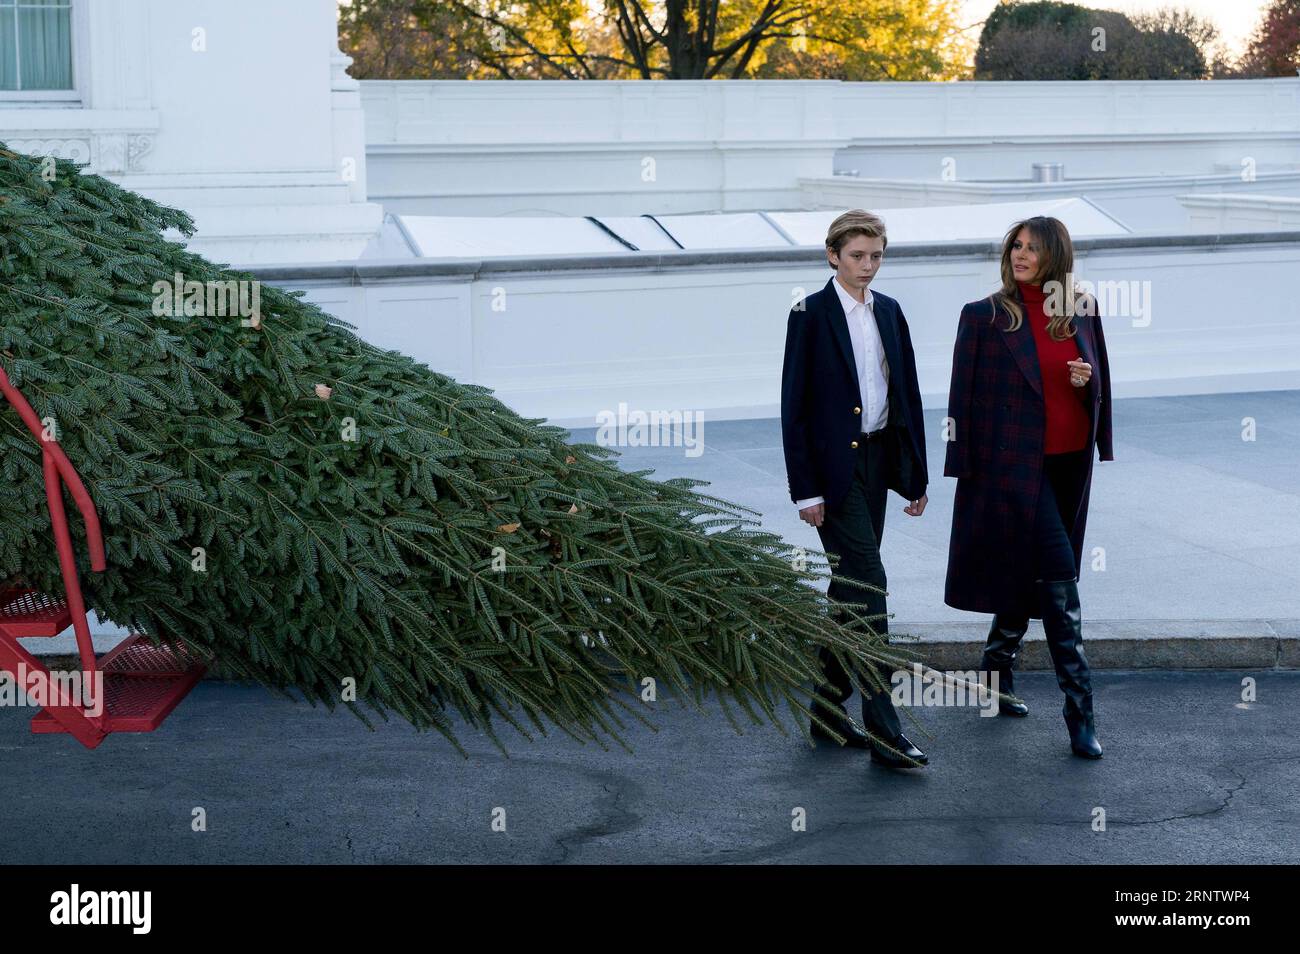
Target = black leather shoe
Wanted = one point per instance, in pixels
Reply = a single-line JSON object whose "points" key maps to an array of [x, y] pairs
{"points": [[853, 738], [1005, 634], [1009, 707], [1063, 624], [914, 756]]}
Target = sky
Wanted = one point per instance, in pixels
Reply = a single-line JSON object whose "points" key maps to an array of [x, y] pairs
{"points": [[1236, 19]]}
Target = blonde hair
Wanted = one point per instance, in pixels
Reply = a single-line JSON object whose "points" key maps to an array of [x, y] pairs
{"points": [[851, 223]]}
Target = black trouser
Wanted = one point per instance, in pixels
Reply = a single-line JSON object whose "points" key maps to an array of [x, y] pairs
{"points": [[1058, 502], [852, 530], [1059, 494]]}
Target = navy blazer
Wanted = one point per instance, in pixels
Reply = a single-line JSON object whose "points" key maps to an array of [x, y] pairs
{"points": [[821, 416]]}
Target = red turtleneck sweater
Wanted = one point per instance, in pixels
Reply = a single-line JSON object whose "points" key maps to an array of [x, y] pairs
{"points": [[1067, 420]]}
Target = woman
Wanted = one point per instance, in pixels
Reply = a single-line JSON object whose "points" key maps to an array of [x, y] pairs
{"points": [[1030, 398]]}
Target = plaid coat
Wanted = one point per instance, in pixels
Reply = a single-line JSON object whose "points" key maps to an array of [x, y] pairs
{"points": [[994, 447]]}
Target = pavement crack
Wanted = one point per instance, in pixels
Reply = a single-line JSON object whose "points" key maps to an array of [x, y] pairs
{"points": [[614, 818], [787, 845], [1229, 792]]}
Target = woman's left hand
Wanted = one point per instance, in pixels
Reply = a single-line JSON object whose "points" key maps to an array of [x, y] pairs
{"points": [[1080, 372]]}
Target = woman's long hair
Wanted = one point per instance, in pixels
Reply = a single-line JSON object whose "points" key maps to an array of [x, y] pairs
{"points": [[1056, 275]]}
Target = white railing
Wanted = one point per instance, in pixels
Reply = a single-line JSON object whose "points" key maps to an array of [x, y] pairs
{"points": [[540, 111]]}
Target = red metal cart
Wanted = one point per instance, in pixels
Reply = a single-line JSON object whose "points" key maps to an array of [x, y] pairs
{"points": [[141, 683]]}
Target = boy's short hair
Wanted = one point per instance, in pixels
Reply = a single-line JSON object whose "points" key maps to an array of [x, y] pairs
{"points": [[851, 223]]}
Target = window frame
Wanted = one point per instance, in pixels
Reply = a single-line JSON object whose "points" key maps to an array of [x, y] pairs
{"points": [[75, 96]]}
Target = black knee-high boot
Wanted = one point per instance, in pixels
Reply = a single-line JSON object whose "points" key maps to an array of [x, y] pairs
{"points": [[1005, 634], [1063, 624]]}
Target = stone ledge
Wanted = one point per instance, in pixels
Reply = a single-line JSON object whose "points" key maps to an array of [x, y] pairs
{"points": [[1110, 644], [1123, 644]]}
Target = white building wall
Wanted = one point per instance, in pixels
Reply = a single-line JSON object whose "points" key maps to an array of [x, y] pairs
{"points": [[238, 112], [581, 148], [566, 340], [1243, 213]]}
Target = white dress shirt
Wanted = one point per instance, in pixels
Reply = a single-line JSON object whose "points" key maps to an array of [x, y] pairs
{"points": [[872, 365]]}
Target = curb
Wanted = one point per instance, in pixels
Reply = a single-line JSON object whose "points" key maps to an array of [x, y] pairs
{"points": [[1122, 644], [1110, 644]]}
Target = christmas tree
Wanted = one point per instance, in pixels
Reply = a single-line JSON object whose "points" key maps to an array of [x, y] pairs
{"points": [[321, 515]]}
